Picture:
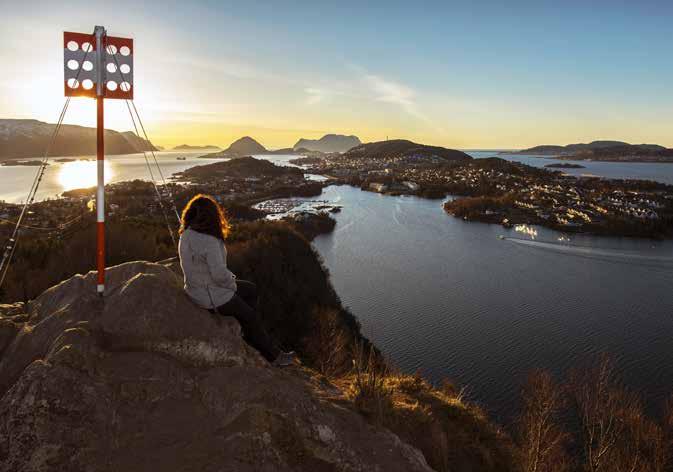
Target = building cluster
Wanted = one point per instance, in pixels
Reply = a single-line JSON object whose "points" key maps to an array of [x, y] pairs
{"points": [[227, 189], [533, 195], [47, 218]]}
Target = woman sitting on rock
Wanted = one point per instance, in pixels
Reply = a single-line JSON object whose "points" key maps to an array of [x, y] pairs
{"points": [[211, 285]]}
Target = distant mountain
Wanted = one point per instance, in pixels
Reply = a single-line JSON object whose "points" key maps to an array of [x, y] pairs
{"points": [[187, 147], [245, 146], [401, 148], [543, 150], [30, 138], [604, 151], [283, 151], [329, 143], [294, 152], [135, 141]]}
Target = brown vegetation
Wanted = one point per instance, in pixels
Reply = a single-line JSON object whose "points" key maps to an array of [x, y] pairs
{"points": [[542, 441], [591, 424], [453, 434]]}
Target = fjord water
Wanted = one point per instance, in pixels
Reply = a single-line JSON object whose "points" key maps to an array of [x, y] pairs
{"points": [[16, 180], [657, 171], [450, 298]]}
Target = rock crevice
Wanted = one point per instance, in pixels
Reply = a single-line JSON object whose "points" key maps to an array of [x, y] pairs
{"points": [[145, 380]]}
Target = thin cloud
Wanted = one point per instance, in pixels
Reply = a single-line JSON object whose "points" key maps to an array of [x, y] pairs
{"points": [[315, 95], [389, 91], [325, 93]]}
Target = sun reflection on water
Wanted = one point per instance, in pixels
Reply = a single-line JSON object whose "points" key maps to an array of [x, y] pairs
{"points": [[527, 230], [81, 174]]}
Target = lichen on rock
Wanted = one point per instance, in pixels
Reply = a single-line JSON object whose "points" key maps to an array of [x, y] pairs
{"points": [[145, 380]]}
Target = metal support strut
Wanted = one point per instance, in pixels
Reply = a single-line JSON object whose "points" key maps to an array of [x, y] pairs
{"points": [[99, 33]]}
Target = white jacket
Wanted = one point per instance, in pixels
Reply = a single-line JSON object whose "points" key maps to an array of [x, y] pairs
{"points": [[204, 263]]}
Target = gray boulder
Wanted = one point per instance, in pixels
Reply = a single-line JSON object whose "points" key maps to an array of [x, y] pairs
{"points": [[145, 380]]}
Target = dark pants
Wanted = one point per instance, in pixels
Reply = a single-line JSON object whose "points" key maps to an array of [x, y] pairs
{"points": [[243, 307]]}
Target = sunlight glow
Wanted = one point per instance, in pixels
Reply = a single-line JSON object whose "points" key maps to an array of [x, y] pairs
{"points": [[527, 230], [81, 174]]}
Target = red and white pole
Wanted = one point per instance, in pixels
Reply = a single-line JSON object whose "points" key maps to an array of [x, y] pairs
{"points": [[112, 74], [99, 33]]}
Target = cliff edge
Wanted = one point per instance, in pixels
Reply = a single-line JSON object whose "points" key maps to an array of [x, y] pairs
{"points": [[145, 380]]}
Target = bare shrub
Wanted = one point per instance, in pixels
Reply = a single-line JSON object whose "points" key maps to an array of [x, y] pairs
{"points": [[542, 439], [328, 344], [369, 391], [615, 435], [663, 448], [598, 403]]}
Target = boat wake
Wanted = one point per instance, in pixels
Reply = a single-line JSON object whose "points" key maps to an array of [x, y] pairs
{"points": [[595, 253]]}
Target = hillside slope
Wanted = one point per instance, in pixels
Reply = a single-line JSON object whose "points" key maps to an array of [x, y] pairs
{"points": [[245, 146], [133, 366], [604, 151], [145, 380], [30, 138], [329, 143], [404, 149]]}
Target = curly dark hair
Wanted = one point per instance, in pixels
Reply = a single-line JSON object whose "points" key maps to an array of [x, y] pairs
{"points": [[203, 214]]}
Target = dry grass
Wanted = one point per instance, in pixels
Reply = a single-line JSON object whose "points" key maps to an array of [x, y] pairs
{"points": [[368, 389], [328, 345], [452, 434]]}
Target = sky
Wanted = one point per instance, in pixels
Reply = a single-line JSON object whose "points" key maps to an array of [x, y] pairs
{"points": [[467, 75]]}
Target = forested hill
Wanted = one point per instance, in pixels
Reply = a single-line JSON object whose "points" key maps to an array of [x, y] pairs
{"points": [[401, 148], [604, 151], [30, 138], [241, 168]]}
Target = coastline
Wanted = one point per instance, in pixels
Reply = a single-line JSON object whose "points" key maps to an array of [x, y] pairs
{"points": [[563, 157], [496, 191]]}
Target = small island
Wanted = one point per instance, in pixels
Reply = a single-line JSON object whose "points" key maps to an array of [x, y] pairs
{"points": [[247, 180], [188, 147], [605, 151], [310, 225], [565, 165], [23, 163], [493, 190]]}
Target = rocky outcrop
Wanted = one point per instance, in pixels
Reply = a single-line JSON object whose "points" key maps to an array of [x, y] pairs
{"points": [[144, 380], [245, 146]]}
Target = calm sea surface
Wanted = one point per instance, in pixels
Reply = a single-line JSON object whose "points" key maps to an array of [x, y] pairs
{"points": [[452, 299], [16, 180], [613, 170]]}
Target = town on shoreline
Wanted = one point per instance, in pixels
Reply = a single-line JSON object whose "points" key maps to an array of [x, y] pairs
{"points": [[490, 190], [493, 190]]}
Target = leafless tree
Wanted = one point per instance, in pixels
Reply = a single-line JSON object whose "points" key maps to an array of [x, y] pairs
{"points": [[616, 435], [541, 438], [663, 443], [329, 342]]}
